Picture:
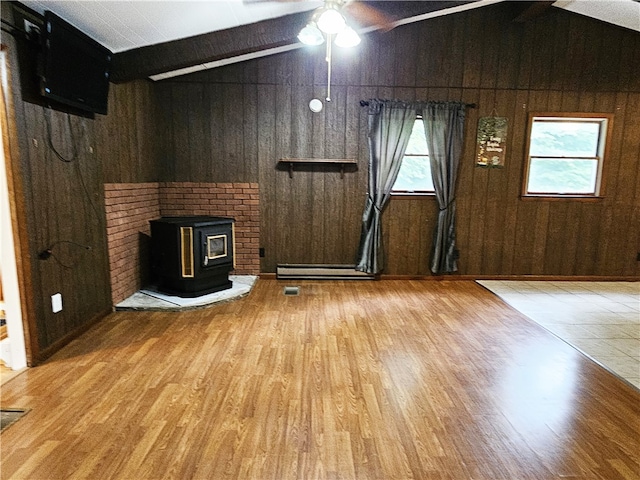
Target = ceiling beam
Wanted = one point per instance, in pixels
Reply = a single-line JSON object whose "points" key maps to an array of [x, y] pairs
{"points": [[242, 41], [163, 57], [531, 10]]}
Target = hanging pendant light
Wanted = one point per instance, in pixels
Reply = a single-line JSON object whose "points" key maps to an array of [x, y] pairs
{"points": [[328, 24], [347, 38], [331, 21], [311, 35]]}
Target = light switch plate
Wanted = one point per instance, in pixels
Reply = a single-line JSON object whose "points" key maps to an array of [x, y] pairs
{"points": [[56, 302]]}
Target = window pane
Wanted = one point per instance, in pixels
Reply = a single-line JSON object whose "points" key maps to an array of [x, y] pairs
{"points": [[564, 138], [415, 175], [562, 176], [417, 141]]}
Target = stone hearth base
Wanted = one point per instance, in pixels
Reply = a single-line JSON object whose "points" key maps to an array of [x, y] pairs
{"points": [[152, 299]]}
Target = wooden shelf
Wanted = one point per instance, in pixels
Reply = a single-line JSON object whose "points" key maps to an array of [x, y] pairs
{"points": [[327, 161]]}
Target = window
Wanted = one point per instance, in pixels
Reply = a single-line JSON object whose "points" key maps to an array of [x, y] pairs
{"points": [[565, 155], [415, 172]]}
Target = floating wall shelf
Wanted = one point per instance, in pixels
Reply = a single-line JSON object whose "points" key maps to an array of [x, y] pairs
{"points": [[342, 162]]}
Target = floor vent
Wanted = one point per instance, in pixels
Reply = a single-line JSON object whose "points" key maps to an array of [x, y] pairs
{"points": [[320, 272], [9, 416], [291, 290]]}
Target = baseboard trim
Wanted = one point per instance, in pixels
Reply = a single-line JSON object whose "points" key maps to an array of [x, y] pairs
{"points": [[58, 344], [533, 278], [308, 271]]}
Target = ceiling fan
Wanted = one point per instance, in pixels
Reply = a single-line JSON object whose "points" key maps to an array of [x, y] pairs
{"points": [[364, 14], [330, 24]]}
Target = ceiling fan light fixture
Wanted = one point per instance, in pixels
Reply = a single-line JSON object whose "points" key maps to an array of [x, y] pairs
{"points": [[311, 35], [347, 38], [331, 21]]}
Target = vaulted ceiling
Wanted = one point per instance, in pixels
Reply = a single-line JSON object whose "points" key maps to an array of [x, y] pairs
{"points": [[161, 39]]}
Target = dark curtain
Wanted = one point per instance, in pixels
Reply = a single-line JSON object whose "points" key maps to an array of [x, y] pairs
{"points": [[390, 125], [444, 129]]}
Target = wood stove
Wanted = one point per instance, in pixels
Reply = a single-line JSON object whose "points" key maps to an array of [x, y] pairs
{"points": [[192, 256]]}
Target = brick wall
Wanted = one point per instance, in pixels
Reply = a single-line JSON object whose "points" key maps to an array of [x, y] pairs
{"points": [[240, 201], [130, 206]]}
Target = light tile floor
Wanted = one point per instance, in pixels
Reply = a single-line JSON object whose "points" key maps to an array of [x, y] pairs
{"points": [[601, 319]]}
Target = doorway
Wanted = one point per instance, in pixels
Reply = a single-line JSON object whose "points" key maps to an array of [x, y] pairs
{"points": [[12, 346]]}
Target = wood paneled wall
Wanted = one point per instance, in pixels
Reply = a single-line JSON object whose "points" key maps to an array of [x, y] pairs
{"points": [[64, 200], [126, 138], [65, 214], [234, 123]]}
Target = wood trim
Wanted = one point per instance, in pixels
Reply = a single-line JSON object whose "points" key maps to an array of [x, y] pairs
{"points": [[531, 278], [58, 344], [563, 198], [532, 10], [18, 212], [412, 195], [208, 47], [346, 161], [600, 180], [343, 162]]}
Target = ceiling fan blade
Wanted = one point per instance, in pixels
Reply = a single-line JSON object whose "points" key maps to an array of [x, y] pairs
{"points": [[368, 16]]}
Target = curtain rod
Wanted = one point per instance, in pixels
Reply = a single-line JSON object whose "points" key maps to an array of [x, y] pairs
{"points": [[365, 103]]}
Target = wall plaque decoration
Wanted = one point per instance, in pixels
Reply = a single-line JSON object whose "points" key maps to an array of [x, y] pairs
{"points": [[491, 142]]}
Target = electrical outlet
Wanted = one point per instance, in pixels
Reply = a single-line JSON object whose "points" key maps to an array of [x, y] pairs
{"points": [[56, 303]]}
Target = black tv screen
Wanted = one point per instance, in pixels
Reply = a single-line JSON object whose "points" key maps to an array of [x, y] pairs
{"points": [[75, 68]]}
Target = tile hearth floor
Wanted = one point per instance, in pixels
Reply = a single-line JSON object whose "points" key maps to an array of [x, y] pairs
{"points": [[151, 299], [601, 319]]}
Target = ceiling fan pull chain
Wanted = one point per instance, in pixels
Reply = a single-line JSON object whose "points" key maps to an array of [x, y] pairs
{"points": [[328, 59]]}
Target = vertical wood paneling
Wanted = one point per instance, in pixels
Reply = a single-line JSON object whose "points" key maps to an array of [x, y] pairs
{"points": [[481, 209], [63, 202], [497, 198], [182, 142], [250, 128], [269, 208], [473, 51], [551, 63]]}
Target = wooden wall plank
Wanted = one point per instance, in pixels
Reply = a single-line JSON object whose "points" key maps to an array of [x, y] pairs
{"points": [[481, 207], [498, 194], [266, 165]]}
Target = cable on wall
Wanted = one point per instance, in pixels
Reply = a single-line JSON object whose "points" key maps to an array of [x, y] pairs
{"points": [[74, 157], [49, 253], [47, 118]]}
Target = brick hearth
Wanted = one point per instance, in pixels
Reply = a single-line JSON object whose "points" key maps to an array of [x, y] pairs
{"points": [[130, 206]]}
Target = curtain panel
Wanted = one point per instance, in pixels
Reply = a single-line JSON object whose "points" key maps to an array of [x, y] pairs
{"points": [[444, 129], [390, 124]]}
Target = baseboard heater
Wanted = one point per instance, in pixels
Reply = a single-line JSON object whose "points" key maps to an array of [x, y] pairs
{"points": [[320, 272]]}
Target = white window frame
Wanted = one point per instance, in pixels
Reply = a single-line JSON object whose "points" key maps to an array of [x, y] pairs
{"points": [[605, 120], [409, 193]]}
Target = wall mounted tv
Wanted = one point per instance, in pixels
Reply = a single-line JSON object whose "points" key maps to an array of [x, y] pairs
{"points": [[75, 68]]}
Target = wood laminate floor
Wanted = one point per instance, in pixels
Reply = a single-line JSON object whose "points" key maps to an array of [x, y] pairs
{"points": [[363, 380]]}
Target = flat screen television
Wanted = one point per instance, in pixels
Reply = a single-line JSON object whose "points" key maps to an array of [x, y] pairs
{"points": [[75, 68]]}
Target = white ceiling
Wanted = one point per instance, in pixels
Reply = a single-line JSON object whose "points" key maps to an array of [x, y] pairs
{"points": [[625, 13], [124, 25]]}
